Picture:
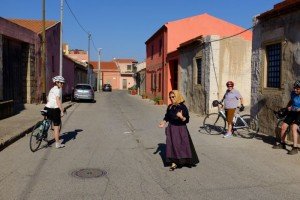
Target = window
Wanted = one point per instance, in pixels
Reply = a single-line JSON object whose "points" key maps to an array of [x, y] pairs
{"points": [[152, 51], [153, 81], [199, 70], [160, 47], [273, 52], [159, 82], [128, 67]]}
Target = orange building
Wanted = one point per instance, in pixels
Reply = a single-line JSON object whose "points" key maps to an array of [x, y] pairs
{"points": [[162, 56], [109, 73]]}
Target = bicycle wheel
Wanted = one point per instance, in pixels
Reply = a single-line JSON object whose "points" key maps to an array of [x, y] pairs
{"points": [[251, 128], [214, 124], [36, 136]]}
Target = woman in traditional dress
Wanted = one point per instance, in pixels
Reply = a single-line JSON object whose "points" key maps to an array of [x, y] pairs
{"points": [[180, 150]]}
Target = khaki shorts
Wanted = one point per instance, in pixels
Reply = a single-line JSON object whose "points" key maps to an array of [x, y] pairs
{"points": [[229, 115]]}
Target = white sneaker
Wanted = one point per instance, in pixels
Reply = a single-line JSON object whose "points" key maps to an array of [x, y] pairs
{"points": [[227, 135], [59, 145]]}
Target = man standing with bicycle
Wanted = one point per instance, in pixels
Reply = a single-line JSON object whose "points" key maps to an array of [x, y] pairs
{"points": [[231, 100], [293, 119], [54, 107]]}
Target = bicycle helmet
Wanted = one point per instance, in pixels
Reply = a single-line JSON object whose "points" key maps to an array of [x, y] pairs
{"points": [[229, 83], [58, 79], [215, 103], [297, 84]]}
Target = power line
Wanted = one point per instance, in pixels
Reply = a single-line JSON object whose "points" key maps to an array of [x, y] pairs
{"points": [[232, 35], [87, 32], [94, 44], [76, 18]]}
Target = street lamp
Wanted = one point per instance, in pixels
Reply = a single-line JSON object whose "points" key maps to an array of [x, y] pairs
{"points": [[99, 73]]}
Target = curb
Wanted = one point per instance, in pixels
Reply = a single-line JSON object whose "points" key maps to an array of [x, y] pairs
{"points": [[15, 138]]}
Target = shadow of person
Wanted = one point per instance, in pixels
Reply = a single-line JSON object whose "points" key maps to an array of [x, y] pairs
{"points": [[66, 137], [161, 149]]}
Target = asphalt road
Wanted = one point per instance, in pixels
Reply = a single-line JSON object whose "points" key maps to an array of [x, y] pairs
{"points": [[117, 140]]}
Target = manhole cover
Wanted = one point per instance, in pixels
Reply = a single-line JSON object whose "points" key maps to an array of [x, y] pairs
{"points": [[89, 173]]}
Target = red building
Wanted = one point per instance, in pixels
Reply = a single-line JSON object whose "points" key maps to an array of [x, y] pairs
{"points": [[162, 57]]}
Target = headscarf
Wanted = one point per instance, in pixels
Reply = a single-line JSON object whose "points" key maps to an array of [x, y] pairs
{"points": [[178, 97]]}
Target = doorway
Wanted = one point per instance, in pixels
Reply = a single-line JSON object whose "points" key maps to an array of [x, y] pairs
{"points": [[124, 84]]}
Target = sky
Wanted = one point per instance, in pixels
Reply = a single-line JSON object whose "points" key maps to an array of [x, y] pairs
{"points": [[121, 27]]}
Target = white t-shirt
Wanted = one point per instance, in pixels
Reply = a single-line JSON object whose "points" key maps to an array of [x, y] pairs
{"points": [[53, 93]]}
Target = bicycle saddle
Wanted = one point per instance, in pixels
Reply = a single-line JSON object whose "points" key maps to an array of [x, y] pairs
{"points": [[44, 112]]}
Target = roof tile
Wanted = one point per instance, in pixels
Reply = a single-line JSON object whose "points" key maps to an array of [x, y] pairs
{"points": [[33, 24]]}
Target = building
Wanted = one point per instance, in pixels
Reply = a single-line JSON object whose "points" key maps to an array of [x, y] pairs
{"points": [[82, 56], [207, 63], [52, 51], [127, 69], [141, 77], [275, 61], [109, 73], [74, 72], [162, 56]]}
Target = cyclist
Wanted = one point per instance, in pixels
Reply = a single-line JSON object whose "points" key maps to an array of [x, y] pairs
{"points": [[293, 119], [231, 99], [54, 107]]}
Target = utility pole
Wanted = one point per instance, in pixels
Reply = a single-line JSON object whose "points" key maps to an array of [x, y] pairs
{"points": [[61, 38], [89, 70], [43, 52], [99, 71]]}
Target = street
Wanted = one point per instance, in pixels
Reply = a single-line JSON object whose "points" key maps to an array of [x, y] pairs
{"points": [[118, 139]]}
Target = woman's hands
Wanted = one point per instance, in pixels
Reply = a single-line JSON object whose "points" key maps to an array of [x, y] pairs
{"points": [[180, 116], [162, 124]]}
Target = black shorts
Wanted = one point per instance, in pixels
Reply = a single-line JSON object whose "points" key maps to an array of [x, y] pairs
{"points": [[54, 115], [292, 118]]}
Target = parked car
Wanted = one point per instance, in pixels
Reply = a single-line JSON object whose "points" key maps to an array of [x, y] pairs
{"points": [[106, 87], [83, 91]]}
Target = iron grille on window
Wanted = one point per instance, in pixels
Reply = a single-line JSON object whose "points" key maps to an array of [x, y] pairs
{"points": [[273, 65], [199, 70]]}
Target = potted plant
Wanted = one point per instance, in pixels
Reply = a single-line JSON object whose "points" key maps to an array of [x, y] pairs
{"points": [[158, 100], [144, 96], [132, 90]]}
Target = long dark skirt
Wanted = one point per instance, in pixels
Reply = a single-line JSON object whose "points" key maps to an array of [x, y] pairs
{"points": [[179, 146]]}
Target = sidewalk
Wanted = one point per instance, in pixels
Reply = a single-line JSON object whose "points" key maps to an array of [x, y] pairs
{"points": [[17, 126]]}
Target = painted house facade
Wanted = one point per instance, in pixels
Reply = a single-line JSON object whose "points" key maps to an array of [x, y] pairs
{"points": [[109, 72], [74, 72], [44, 83], [162, 56], [141, 77], [18, 57], [275, 61], [127, 69], [207, 63]]}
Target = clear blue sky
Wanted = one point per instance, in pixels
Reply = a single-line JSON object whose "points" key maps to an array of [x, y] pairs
{"points": [[121, 27]]}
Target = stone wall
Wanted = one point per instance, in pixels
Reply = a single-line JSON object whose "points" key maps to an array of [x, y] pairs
{"points": [[194, 93], [282, 29], [222, 60]]}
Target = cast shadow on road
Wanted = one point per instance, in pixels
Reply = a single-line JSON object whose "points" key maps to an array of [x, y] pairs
{"points": [[65, 137], [161, 149], [71, 135]]}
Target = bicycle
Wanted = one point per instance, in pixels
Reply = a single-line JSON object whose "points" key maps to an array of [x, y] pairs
{"points": [[246, 126], [280, 116], [40, 132]]}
